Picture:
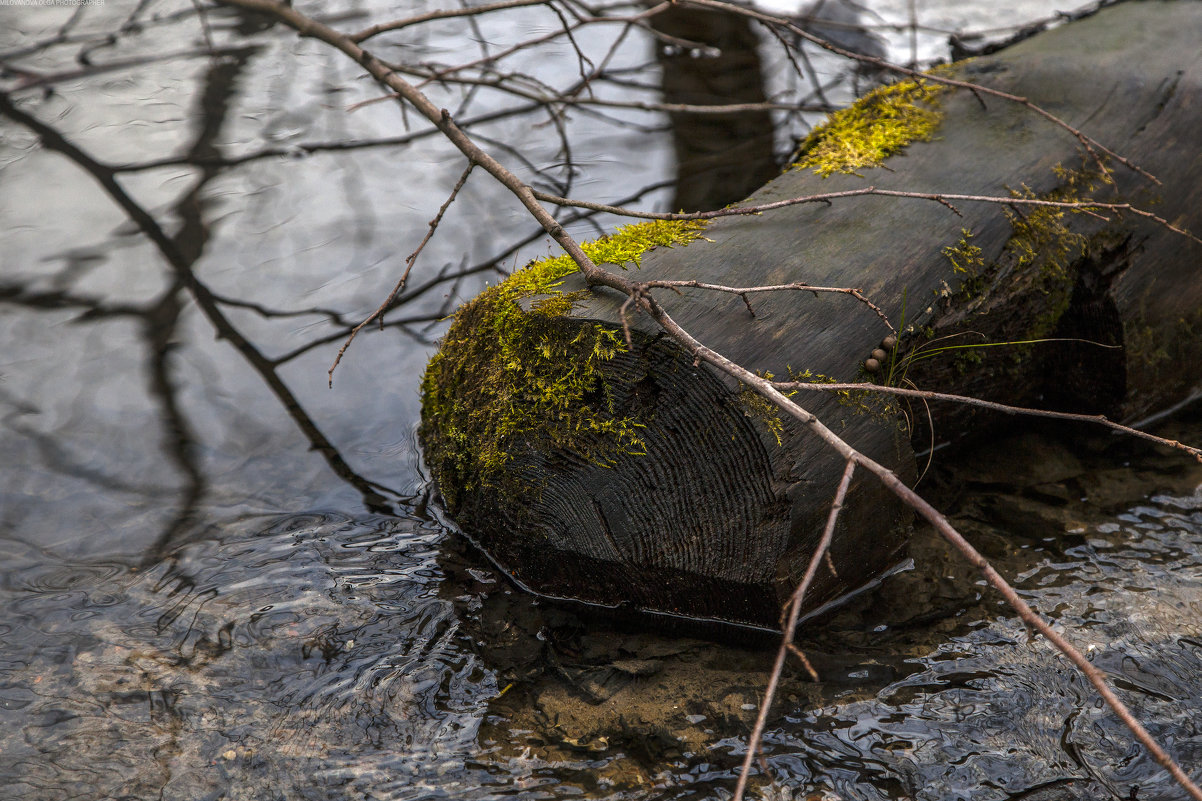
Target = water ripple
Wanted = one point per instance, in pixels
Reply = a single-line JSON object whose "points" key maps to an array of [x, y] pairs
{"points": [[236, 664], [994, 713]]}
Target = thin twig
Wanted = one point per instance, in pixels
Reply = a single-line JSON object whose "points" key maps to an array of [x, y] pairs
{"points": [[375, 30], [505, 83], [600, 68], [567, 30], [943, 198], [801, 286], [581, 58], [1097, 419], [801, 655], [400, 284], [793, 608], [809, 74]]}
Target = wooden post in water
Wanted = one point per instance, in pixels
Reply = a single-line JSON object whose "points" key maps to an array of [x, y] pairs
{"points": [[633, 476]]}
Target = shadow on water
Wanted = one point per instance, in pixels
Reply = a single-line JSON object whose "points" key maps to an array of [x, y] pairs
{"points": [[188, 238]]}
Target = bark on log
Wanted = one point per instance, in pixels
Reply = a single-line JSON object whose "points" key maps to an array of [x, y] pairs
{"points": [[718, 518]]}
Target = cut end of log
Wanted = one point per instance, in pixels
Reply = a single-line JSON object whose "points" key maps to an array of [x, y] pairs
{"points": [[515, 367]]}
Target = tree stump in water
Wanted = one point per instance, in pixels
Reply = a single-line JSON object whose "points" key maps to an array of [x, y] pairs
{"points": [[633, 477]]}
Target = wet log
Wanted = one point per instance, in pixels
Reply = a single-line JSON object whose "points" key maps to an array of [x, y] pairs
{"points": [[636, 478]]}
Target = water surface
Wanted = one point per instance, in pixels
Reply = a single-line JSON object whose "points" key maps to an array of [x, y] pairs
{"points": [[222, 578]]}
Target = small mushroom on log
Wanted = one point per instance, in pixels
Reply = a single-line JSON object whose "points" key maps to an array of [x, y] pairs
{"points": [[595, 459]]}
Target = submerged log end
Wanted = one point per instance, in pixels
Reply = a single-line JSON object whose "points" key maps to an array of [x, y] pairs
{"points": [[631, 477]]}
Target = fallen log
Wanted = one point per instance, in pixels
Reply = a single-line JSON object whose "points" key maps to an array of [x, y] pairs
{"points": [[593, 459]]}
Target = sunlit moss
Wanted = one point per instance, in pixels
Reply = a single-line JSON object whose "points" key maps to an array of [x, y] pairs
{"points": [[964, 256], [509, 378], [875, 127]]}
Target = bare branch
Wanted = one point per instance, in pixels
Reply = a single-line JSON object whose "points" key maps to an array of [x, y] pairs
{"points": [[1098, 419], [581, 59], [802, 286], [506, 84], [793, 609], [943, 198], [639, 19], [473, 11], [378, 314]]}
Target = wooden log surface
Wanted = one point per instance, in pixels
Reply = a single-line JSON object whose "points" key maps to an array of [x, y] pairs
{"points": [[718, 518]]}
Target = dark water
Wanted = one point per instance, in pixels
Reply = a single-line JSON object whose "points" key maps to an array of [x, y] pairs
{"points": [[994, 713], [222, 579]]}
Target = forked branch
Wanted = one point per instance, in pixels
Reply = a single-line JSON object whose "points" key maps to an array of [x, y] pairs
{"points": [[383, 308], [789, 628]]}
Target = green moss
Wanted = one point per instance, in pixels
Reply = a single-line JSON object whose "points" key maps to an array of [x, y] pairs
{"points": [[1157, 352], [964, 255], [1036, 262], [1043, 249], [625, 246], [508, 377], [1148, 348], [875, 127], [968, 263], [968, 360], [1041, 237], [759, 408], [769, 415]]}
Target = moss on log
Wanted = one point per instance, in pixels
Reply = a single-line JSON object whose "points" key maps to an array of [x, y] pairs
{"points": [[633, 477]]}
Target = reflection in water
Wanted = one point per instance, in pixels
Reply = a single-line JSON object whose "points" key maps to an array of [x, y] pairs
{"points": [[160, 319], [708, 58], [713, 59]]}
